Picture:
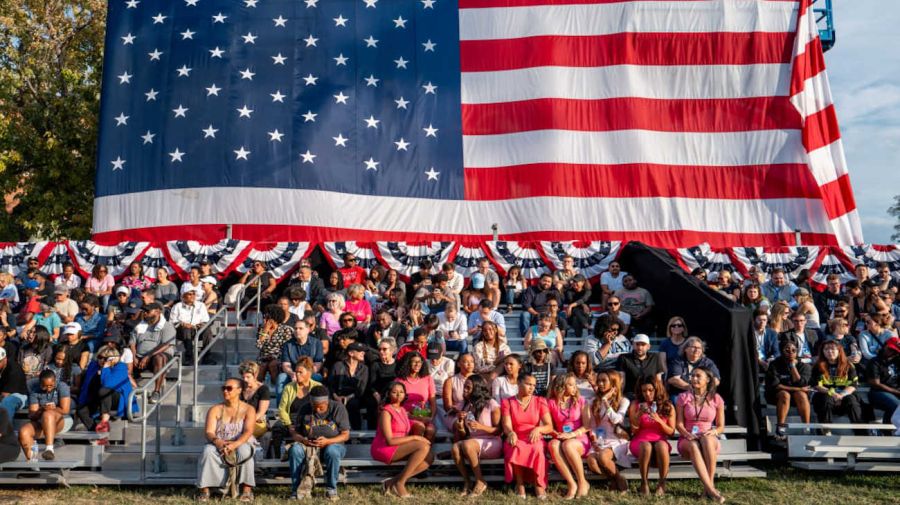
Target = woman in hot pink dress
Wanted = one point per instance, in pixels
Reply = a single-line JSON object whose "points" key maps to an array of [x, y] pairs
{"points": [[525, 421], [421, 401], [570, 423], [700, 419], [393, 442], [652, 423]]}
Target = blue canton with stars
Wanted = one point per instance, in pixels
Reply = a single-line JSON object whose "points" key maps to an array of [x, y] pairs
{"points": [[350, 96]]}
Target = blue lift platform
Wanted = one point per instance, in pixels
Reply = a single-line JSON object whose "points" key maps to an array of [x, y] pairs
{"points": [[825, 21]]}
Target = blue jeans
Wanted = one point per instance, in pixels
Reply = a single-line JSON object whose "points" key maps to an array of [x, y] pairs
{"points": [[281, 381], [885, 401], [460, 346], [330, 457], [526, 322], [12, 403]]}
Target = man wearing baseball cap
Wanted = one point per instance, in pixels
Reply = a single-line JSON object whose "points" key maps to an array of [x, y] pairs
{"points": [[640, 363], [65, 306], [76, 350], [153, 345]]}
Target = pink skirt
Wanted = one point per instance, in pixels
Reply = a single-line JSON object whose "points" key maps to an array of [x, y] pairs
{"points": [[489, 447], [382, 452]]}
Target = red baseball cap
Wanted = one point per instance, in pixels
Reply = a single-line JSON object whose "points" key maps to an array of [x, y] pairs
{"points": [[893, 343]]}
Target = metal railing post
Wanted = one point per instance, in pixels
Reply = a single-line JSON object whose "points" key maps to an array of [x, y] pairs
{"points": [[143, 434], [178, 434]]}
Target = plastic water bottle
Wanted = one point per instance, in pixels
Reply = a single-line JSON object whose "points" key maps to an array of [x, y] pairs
{"points": [[34, 452]]}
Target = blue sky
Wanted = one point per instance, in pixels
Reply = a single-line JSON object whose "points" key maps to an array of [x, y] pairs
{"points": [[864, 69]]}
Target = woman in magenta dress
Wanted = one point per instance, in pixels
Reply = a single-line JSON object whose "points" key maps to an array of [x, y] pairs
{"points": [[570, 423], [421, 398], [525, 421], [652, 419], [394, 443], [700, 419]]}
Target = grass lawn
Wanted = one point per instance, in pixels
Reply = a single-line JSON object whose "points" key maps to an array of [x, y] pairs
{"points": [[783, 486]]}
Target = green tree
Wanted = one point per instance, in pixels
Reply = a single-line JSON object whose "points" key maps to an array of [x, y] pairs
{"points": [[51, 56], [894, 210]]}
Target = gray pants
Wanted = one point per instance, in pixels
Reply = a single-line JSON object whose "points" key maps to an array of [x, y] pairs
{"points": [[212, 471]]}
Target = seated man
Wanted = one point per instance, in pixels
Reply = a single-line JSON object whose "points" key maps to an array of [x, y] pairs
{"points": [[153, 345], [884, 379], [322, 427], [303, 344], [49, 404], [486, 312], [92, 322], [13, 386], [606, 344], [187, 316], [640, 363]]}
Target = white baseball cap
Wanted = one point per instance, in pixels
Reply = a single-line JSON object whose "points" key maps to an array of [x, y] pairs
{"points": [[640, 338], [123, 290], [209, 279], [71, 329]]}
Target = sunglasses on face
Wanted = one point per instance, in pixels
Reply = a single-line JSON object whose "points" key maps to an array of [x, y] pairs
{"points": [[348, 320], [612, 304], [296, 299], [677, 325], [228, 389], [542, 351], [351, 260]]}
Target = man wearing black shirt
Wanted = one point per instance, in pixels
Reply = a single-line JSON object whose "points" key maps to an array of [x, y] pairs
{"points": [[640, 363], [322, 425], [535, 300], [884, 379], [13, 389]]}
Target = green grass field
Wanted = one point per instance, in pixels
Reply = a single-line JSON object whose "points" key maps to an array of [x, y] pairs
{"points": [[783, 486]]}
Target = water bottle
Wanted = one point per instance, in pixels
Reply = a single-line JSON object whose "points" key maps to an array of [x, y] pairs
{"points": [[34, 452]]}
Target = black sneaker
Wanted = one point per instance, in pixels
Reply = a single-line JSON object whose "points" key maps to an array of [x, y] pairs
{"points": [[154, 397], [48, 455]]}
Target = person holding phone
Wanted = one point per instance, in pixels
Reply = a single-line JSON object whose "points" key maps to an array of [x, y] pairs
{"points": [[48, 414], [476, 433], [608, 438], [525, 420], [652, 420], [570, 444], [700, 419]]}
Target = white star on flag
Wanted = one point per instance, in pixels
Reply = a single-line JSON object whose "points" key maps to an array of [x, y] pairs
{"points": [[311, 3], [176, 156], [370, 3], [340, 20], [251, 3], [247, 74], [278, 59], [340, 140], [431, 131], [401, 63], [309, 117], [311, 41], [244, 111], [132, 4], [341, 59], [371, 164], [209, 132], [402, 144], [308, 156], [341, 97], [158, 19], [118, 163], [128, 39], [151, 95], [429, 46], [180, 111], [121, 119], [216, 53], [249, 38], [280, 21], [371, 122], [310, 80], [275, 136], [148, 137], [371, 81], [429, 88], [400, 22], [125, 78], [432, 175], [184, 71], [401, 103], [154, 56], [371, 41], [277, 96], [187, 34], [241, 154], [219, 18], [213, 90], [428, 4]]}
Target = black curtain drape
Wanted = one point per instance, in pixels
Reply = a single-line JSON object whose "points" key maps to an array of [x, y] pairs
{"points": [[724, 326]]}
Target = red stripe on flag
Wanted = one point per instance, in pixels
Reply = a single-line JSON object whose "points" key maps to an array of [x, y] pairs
{"points": [[707, 115], [807, 65], [837, 196], [665, 239], [641, 180], [626, 49], [821, 129]]}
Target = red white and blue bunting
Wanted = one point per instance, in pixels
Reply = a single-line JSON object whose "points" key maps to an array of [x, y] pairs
{"points": [[591, 258], [705, 257], [14, 256], [52, 256], [364, 253], [405, 258], [224, 256], [527, 255], [791, 259], [872, 255], [280, 259], [830, 261], [465, 258], [117, 258]]}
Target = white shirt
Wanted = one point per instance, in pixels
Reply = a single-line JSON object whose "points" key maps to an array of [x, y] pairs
{"points": [[187, 286], [441, 372], [71, 283], [502, 389], [613, 283], [195, 314], [458, 325], [456, 284]]}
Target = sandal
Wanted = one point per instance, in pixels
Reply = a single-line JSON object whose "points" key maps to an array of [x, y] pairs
{"points": [[477, 491], [203, 497], [246, 497]]}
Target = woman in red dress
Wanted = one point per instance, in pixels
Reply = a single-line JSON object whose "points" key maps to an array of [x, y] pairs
{"points": [[525, 421]]}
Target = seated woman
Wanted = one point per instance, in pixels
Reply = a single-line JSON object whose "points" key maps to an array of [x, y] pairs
{"points": [[453, 389], [700, 419], [104, 393], [476, 433], [580, 367], [571, 419], [692, 357], [49, 404], [271, 338], [834, 382], [787, 380], [607, 343], [382, 372], [539, 366], [507, 385], [552, 337], [489, 351], [256, 394], [652, 420], [65, 370], [294, 396], [525, 420], [394, 442], [229, 433], [676, 336], [420, 395], [608, 438], [348, 382]]}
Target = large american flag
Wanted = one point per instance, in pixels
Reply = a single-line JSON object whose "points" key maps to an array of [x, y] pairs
{"points": [[672, 122]]}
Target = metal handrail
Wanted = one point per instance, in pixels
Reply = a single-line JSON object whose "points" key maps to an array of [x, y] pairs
{"points": [[257, 297], [144, 414]]}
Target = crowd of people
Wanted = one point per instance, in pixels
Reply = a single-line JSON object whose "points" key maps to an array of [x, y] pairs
{"points": [[365, 349]]}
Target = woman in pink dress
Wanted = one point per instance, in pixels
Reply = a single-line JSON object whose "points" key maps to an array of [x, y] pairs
{"points": [[394, 443], [453, 394], [570, 424], [525, 421], [652, 423], [700, 419], [476, 433], [421, 398]]}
